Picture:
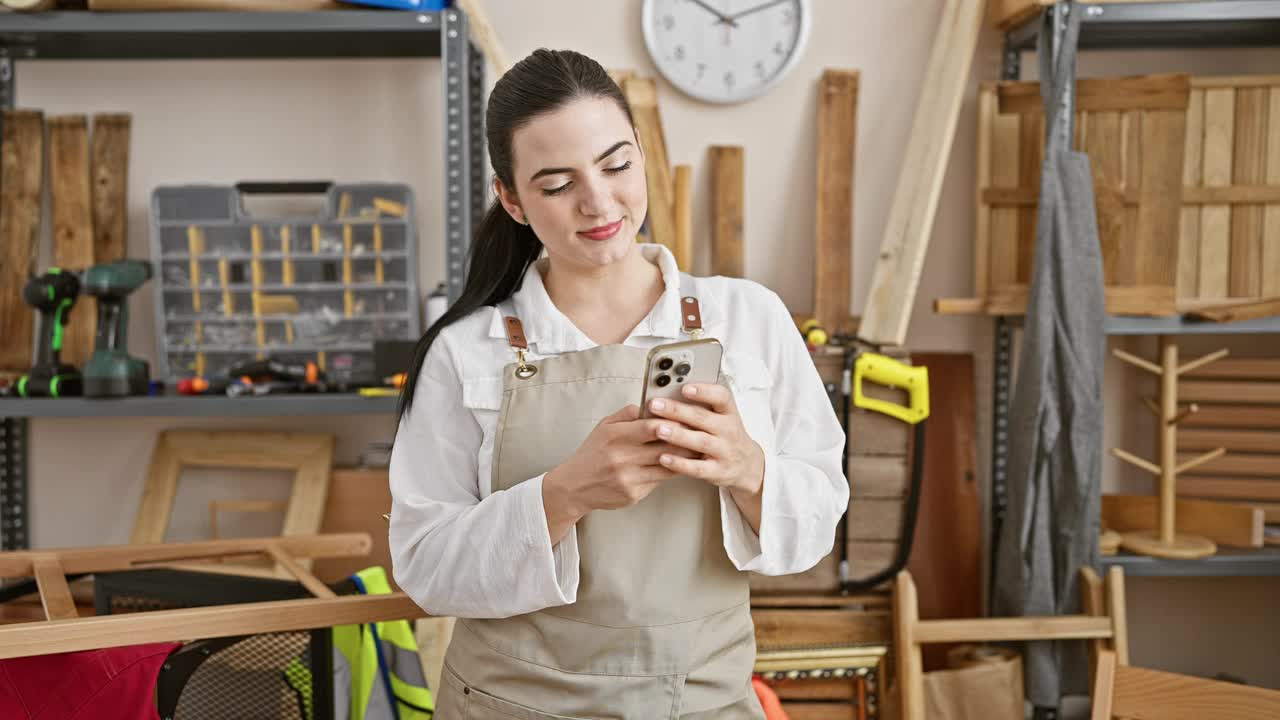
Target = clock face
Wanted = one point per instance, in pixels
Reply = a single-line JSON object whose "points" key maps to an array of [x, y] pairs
{"points": [[725, 50]]}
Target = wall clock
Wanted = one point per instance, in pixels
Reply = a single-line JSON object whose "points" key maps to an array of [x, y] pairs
{"points": [[725, 51]]}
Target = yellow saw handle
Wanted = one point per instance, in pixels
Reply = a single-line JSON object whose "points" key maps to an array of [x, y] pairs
{"points": [[886, 371]]}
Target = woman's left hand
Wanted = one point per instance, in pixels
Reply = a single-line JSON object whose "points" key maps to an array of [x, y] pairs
{"points": [[707, 422]]}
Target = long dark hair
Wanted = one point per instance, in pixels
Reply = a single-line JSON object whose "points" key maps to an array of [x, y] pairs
{"points": [[503, 249]]}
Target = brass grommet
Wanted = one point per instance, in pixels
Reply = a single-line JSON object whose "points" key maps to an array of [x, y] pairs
{"points": [[524, 372]]}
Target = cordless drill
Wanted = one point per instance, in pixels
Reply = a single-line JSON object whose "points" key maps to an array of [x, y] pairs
{"points": [[52, 294], [111, 371]]}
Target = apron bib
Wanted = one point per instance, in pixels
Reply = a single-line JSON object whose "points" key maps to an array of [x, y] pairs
{"points": [[661, 627]]}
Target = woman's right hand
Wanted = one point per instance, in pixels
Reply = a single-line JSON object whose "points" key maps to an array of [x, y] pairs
{"points": [[616, 466]]}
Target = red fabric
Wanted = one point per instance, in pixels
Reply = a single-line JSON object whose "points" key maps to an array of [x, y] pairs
{"points": [[768, 700], [112, 684]]}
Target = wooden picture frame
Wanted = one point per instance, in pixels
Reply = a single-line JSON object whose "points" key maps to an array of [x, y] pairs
{"points": [[308, 455]]}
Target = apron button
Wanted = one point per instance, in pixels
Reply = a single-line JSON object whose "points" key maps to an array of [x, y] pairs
{"points": [[466, 691]]}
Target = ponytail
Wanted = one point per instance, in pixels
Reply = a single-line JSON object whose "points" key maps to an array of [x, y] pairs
{"points": [[501, 253]]}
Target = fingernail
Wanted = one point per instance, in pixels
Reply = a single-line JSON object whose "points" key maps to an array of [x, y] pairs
{"points": [[664, 431], [665, 459], [690, 390], [658, 404]]}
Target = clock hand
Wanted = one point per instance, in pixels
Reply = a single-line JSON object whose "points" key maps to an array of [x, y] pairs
{"points": [[722, 17], [750, 10]]}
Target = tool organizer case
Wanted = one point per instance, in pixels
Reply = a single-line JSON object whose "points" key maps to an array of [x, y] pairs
{"points": [[232, 287]]}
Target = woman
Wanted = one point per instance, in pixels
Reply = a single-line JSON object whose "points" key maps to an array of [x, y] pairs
{"points": [[596, 560]]}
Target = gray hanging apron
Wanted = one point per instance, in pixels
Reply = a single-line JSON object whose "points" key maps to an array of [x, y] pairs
{"points": [[661, 627], [1055, 458]]}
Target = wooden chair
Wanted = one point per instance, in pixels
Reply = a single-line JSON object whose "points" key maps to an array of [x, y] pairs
{"points": [[1123, 691], [1103, 622]]}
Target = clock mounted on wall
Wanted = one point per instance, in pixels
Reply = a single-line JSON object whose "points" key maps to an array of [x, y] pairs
{"points": [[725, 51]]}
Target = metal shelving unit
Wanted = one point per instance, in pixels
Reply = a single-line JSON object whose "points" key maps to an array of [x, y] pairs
{"points": [[1183, 24], [80, 35]]}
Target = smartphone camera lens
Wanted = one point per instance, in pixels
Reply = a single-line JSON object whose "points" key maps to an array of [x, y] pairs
{"points": [[683, 369], [665, 363], [662, 380]]}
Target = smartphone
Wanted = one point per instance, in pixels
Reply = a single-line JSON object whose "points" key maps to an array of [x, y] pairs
{"points": [[671, 366]]}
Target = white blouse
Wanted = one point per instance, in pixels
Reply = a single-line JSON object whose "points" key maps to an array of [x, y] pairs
{"points": [[460, 550]]}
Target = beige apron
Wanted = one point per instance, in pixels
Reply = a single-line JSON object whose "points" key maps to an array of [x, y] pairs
{"points": [[661, 627]]}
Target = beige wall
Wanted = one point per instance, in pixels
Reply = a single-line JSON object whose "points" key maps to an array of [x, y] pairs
{"points": [[359, 120]]}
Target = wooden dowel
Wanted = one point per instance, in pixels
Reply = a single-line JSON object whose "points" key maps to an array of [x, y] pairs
{"points": [[1202, 361], [1152, 406], [1197, 462], [304, 576], [1183, 413], [1135, 460], [1137, 361], [1069, 627]]}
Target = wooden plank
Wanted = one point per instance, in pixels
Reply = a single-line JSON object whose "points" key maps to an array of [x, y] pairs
{"points": [[110, 171], [817, 689], [21, 183], [1167, 91], [1212, 391], [874, 433], [152, 518], [1237, 369], [642, 94], [1143, 693], [1238, 311], [727, 167], [1241, 416], [55, 594], [1131, 152], [72, 222], [1031, 160], [901, 258], [111, 558], [837, 146], [1248, 168], [1238, 194], [1228, 488], [1118, 614], [1215, 220], [1160, 207], [1271, 213], [1225, 524], [870, 557], [875, 519], [1192, 171], [1234, 81], [1006, 162], [1103, 144], [91, 633], [946, 553], [683, 211], [301, 574], [909, 662], [1236, 464], [820, 710], [777, 629], [1065, 627], [983, 211]]}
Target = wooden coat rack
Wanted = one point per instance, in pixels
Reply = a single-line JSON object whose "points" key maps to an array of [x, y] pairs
{"points": [[1164, 541]]}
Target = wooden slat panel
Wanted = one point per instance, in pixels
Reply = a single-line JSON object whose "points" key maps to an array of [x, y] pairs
{"points": [[878, 476], [1192, 171], [55, 594], [1237, 464], [1238, 369], [837, 142], [1005, 222], [1215, 391], [776, 629], [982, 211], [726, 208], [110, 168], [1224, 487], [870, 557], [72, 222], [875, 519], [1156, 241], [1258, 441], [1271, 214], [1215, 220], [1129, 271], [1241, 416], [1248, 169], [21, 181], [1102, 143]]}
